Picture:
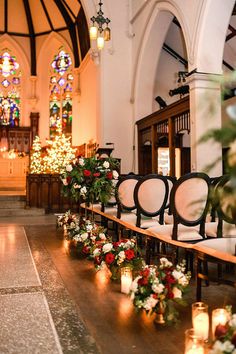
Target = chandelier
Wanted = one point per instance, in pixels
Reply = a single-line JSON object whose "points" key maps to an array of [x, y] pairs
{"points": [[97, 32]]}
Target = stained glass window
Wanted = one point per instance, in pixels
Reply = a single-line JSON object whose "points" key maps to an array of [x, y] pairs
{"points": [[10, 80], [61, 88]]}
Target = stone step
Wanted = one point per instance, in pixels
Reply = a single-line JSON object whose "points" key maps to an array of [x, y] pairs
{"points": [[8, 204], [13, 198], [22, 212]]}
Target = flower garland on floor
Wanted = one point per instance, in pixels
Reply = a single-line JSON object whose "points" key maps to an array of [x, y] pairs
{"points": [[157, 288], [90, 178], [225, 342], [68, 220], [116, 255]]}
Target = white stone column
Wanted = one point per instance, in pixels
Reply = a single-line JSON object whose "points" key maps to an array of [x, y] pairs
{"points": [[33, 98], [205, 114]]}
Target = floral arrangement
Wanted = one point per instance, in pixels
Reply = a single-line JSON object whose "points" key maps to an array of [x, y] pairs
{"points": [[225, 335], [90, 178], [115, 255], [156, 289], [68, 220], [86, 234]]}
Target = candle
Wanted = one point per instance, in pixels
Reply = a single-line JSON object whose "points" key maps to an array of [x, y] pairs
{"points": [[194, 344], [126, 280], [200, 319], [219, 316]]}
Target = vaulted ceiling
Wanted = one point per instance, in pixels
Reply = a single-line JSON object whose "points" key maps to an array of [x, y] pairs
{"points": [[32, 19]]}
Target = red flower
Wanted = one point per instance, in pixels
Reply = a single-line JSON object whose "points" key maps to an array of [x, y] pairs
{"points": [[96, 174], [86, 250], [155, 296], [109, 175], [170, 279], [109, 258], [116, 244], [129, 254], [68, 179], [145, 272], [143, 281], [87, 173]]}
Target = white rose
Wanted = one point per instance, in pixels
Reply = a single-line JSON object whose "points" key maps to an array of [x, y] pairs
{"points": [[121, 255], [115, 174], [157, 288], [69, 168], [106, 164], [96, 252], [81, 161], [64, 181], [165, 263], [102, 236], [150, 303], [84, 236], [93, 238], [177, 293], [107, 247], [183, 281], [76, 186], [83, 190], [89, 227], [134, 285], [232, 322]]}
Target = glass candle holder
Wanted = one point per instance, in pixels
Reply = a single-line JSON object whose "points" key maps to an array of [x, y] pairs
{"points": [[219, 317], [194, 344], [126, 279], [200, 319]]}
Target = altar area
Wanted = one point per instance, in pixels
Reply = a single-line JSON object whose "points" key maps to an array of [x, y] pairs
{"points": [[13, 167]]}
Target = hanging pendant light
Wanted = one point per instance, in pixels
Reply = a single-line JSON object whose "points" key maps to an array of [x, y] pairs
{"points": [[96, 31]]}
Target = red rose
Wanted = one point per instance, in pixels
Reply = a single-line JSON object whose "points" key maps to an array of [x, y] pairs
{"points": [[129, 254], [109, 258], [86, 250], [221, 330], [116, 244], [170, 279], [68, 179], [87, 173], [143, 281], [145, 272], [96, 174], [109, 175], [155, 296]]}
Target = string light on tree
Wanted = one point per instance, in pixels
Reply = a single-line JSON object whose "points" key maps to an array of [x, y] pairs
{"points": [[35, 157]]}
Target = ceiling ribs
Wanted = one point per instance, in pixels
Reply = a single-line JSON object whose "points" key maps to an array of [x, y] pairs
{"points": [[32, 37], [47, 15], [69, 9], [71, 29]]}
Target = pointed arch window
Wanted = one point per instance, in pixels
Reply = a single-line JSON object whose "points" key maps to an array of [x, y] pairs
{"points": [[10, 89], [61, 90]]}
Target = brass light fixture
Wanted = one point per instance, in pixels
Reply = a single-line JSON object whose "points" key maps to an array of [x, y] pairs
{"points": [[97, 32]]}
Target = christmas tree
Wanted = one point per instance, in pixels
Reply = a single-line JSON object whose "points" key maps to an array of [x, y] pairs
{"points": [[35, 157], [58, 154]]}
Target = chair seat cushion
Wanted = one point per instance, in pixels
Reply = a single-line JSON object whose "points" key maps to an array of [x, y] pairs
{"points": [[211, 229], [131, 218], [226, 245], [168, 219], [185, 233]]}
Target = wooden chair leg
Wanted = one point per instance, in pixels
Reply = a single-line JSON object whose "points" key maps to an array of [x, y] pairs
{"points": [[148, 250], [199, 280]]}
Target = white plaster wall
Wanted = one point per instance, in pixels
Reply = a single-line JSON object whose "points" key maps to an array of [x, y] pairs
{"points": [[116, 110], [86, 118]]}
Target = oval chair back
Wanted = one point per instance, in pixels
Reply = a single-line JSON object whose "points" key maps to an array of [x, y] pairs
{"points": [[189, 200], [171, 181], [125, 194], [150, 196]]}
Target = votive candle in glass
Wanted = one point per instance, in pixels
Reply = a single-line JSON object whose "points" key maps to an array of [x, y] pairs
{"points": [[194, 344], [126, 279], [200, 319], [219, 317]]}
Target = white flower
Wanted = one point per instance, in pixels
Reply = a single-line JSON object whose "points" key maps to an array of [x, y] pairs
{"points": [[102, 236], [106, 164], [150, 303], [76, 186], [134, 285], [89, 227], [157, 287], [84, 236], [69, 168], [177, 292], [115, 174], [231, 110], [93, 238], [220, 348], [165, 263], [83, 190], [107, 247], [121, 255], [96, 252], [232, 322], [64, 181], [81, 161]]}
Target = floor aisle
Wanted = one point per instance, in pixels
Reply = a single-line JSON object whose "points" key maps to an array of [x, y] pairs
{"points": [[89, 313]]}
